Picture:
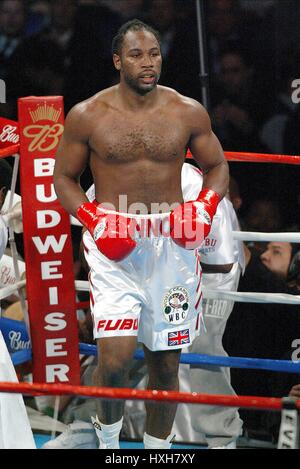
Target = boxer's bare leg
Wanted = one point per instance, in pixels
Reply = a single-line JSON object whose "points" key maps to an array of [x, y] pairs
{"points": [[163, 375], [115, 355]]}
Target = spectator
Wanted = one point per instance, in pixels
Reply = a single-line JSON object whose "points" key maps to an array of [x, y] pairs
{"points": [[15, 431], [291, 143], [280, 29], [263, 330], [61, 26], [228, 23], [39, 64], [236, 103], [91, 67], [257, 6], [12, 30], [36, 68], [178, 45], [234, 194], [287, 383], [263, 215], [273, 131], [38, 16], [127, 9]]}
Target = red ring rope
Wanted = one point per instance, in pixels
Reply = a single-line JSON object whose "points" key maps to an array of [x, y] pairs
{"points": [[8, 151], [230, 156], [254, 402], [257, 157], [261, 157]]}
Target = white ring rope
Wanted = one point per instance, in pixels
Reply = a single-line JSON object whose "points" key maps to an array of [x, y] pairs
{"points": [[242, 297], [10, 289], [251, 297], [254, 236]]}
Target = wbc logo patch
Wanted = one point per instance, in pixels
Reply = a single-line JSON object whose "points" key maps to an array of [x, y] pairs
{"points": [[176, 305]]}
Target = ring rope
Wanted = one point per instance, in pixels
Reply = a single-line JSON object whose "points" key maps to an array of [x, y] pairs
{"points": [[10, 289], [285, 366], [261, 157], [9, 151], [256, 236], [230, 156], [241, 297], [257, 157], [252, 297], [253, 402]]}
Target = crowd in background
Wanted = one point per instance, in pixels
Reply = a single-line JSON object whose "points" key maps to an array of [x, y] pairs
{"points": [[63, 47]]}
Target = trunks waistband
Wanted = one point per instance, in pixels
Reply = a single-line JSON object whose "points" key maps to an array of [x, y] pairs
{"points": [[152, 225]]}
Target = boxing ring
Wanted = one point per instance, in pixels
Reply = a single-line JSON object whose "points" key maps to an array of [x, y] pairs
{"points": [[289, 407]]}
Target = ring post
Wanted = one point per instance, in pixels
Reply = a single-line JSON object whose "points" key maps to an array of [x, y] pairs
{"points": [[47, 245]]}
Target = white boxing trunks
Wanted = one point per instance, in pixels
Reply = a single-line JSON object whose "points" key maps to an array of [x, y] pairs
{"points": [[154, 293]]}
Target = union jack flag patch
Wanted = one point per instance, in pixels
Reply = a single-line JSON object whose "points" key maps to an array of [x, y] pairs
{"points": [[179, 337]]}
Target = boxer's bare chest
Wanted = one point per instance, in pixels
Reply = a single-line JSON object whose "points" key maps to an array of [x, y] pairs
{"points": [[123, 138]]}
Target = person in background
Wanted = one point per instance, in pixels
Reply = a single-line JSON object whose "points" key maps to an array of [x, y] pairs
{"points": [[220, 427], [237, 109], [12, 30], [15, 431], [264, 330]]}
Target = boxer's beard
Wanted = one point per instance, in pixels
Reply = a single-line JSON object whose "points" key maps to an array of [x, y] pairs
{"points": [[142, 90]]}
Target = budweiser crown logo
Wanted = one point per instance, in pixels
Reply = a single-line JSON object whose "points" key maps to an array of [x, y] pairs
{"points": [[45, 130], [45, 112]]}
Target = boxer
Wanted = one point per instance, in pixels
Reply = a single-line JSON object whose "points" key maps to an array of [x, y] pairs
{"points": [[134, 137]]}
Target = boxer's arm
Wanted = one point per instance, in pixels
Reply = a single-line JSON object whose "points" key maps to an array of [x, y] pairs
{"points": [[71, 160], [207, 150], [217, 251]]}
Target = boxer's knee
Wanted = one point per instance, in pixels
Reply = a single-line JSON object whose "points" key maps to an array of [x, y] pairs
{"points": [[164, 375], [114, 361], [112, 371]]}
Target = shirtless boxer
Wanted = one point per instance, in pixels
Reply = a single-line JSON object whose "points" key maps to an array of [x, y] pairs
{"points": [[134, 136]]}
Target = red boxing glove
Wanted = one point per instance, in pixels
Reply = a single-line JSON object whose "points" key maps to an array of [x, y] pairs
{"points": [[190, 222], [109, 230]]}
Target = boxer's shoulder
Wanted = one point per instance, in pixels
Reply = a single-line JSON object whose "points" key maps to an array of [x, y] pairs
{"points": [[188, 108], [174, 98], [82, 117], [96, 104], [194, 112]]}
